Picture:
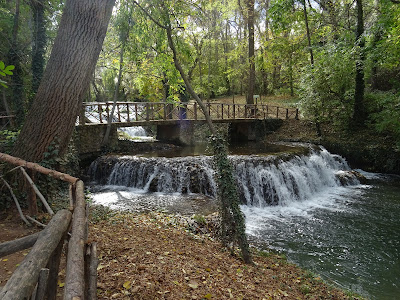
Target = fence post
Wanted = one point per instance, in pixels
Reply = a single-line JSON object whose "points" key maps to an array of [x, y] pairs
{"points": [[82, 115], [100, 109], [195, 110], [108, 111], [297, 114], [147, 111], [118, 113], [277, 112], [54, 266], [127, 111], [287, 113]]}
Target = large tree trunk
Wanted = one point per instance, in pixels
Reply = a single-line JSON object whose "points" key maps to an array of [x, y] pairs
{"points": [[252, 68], [359, 113], [68, 73]]}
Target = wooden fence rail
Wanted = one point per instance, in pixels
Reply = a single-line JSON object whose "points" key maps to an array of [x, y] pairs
{"points": [[37, 275], [130, 112]]}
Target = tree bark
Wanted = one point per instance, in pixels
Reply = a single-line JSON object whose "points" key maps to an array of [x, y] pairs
{"points": [[75, 279], [308, 33], [75, 51], [115, 99], [39, 42], [359, 113], [14, 59], [11, 247], [252, 67], [264, 53], [91, 271], [35, 167]]}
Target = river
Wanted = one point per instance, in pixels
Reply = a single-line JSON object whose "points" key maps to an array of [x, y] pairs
{"points": [[306, 203]]}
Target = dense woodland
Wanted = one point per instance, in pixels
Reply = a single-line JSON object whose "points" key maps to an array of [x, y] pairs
{"points": [[338, 59]]}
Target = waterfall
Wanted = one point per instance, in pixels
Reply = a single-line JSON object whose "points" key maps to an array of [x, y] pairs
{"points": [[262, 180], [166, 175], [135, 131]]}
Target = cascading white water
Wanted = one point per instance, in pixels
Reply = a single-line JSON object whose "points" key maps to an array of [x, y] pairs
{"points": [[262, 180], [167, 175], [297, 179], [135, 131]]}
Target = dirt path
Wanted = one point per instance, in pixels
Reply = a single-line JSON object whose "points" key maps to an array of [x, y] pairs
{"points": [[11, 228]]}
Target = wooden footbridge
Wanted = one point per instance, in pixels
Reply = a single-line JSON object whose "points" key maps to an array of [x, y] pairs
{"points": [[156, 113], [176, 122]]}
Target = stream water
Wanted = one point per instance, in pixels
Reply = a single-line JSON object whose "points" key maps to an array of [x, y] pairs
{"points": [[305, 202]]}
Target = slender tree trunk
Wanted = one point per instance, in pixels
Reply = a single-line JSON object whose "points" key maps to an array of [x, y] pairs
{"points": [[209, 81], [308, 33], [115, 98], [264, 68], [359, 113], [377, 37], [186, 80], [16, 79], [39, 43], [252, 68], [227, 192], [226, 66], [234, 219], [68, 73]]}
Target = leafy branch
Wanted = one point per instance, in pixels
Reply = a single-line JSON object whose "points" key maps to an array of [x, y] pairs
{"points": [[4, 71]]}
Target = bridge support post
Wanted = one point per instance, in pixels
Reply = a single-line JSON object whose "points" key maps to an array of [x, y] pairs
{"points": [[254, 130], [179, 134], [90, 138]]}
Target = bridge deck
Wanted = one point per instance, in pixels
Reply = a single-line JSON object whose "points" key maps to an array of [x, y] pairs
{"points": [[128, 114]]}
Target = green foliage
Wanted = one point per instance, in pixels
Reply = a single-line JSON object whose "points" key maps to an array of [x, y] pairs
{"points": [[100, 213], [67, 163], [4, 71], [232, 219], [326, 89], [8, 138], [385, 107], [199, 219], [305, 289]]}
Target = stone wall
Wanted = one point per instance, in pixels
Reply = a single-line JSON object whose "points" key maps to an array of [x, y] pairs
{"points": [[90, 138]]}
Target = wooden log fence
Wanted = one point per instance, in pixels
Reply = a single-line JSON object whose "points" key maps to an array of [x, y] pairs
{"points": [[24, 279], [131, 112], [37, 276]]}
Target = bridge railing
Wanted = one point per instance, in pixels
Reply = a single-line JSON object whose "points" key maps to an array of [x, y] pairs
{"points": [[127, 112]]}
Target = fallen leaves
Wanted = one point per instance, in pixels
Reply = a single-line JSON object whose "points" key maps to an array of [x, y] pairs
{"points": [[144, 266], [127, 285]]}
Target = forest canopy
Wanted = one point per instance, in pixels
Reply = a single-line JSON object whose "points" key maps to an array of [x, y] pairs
{"points": [[340, 59]]}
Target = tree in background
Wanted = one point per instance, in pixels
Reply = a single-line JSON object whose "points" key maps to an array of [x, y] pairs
{"points": [[232, 219], [38, 42], [252, 66], [359, 112], [67, 76]]}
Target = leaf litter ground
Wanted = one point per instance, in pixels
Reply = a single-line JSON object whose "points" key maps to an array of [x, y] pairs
{"points": [[154, 256]]}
